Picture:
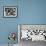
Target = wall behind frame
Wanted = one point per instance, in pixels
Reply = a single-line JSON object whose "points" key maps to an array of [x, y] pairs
{"points": [[29, 12]]}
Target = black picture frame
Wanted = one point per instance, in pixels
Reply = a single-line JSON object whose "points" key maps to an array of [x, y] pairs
{"points": [[10, 11]]}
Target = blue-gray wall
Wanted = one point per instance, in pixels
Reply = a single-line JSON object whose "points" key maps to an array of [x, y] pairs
{"points": [[29, 12]]}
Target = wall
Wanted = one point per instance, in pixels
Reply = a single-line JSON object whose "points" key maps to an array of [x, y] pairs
{"points": [[7, 25], [29, 12], [32, 11]]}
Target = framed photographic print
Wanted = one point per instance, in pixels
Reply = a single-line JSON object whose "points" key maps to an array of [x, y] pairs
{"points": [[10, 11], [33, 32]]}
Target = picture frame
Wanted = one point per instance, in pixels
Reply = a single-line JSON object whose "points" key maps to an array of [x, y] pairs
{"points": [[10, 11], [37, 29]]}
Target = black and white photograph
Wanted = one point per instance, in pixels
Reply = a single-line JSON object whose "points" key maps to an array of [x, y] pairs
{"points": [[10, 11], [30, 34]]}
